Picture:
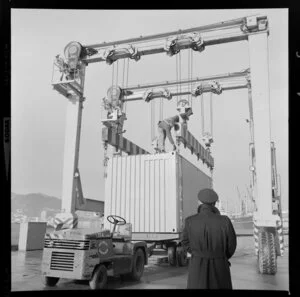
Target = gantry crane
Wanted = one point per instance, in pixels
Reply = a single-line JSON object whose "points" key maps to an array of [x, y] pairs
{"points": [[69, 81]]}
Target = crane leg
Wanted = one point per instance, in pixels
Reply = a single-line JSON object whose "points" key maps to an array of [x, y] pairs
{"points": [[264, 220]]}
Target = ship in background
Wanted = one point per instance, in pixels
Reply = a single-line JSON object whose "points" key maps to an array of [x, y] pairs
{"points": [[242, 216]]}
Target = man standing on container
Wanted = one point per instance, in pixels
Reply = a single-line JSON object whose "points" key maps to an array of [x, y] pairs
{"points": [[211, 240], [165, 127]]}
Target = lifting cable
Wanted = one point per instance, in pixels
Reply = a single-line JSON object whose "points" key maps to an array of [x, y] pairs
{"points": [[177, 77], [161, 109], [117, 73], [211, 114], [180, 72], [202, 113], [127, 75], [189, 73], [191, 77], [152, 104], [113, 72]]}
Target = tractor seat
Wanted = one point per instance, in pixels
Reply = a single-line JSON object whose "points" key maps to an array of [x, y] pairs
{"points": [[123, 233]]}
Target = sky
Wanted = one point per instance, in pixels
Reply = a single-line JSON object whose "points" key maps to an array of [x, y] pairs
{"points": [[39, 113]]}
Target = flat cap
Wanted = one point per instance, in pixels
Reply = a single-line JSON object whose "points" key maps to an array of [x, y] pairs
{"points": [[208, 196]]}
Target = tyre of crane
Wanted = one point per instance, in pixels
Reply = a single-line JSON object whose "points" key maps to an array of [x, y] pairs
{"points": [[50, 281], [267, 258], [181, 256], [138, 263], [99, 278], [172, 255]]}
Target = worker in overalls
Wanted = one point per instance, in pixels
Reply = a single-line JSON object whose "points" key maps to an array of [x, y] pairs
{"points": [[165, 127], [211, 240]]}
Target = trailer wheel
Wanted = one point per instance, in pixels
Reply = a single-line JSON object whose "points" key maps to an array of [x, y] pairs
{"points": [[267, 259], [137, 265], [50, 281], [181, 256], [172, 255], [99, 278]]}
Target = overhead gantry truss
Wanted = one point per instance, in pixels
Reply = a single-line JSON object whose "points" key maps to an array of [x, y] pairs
{"points": [[169, 89], [171, 43]]}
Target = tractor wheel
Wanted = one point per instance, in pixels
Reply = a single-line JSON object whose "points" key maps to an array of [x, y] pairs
{"points": [[267, 259], [138, 264], [181, 256], [172, 255], [99, 278], [50, 281]]}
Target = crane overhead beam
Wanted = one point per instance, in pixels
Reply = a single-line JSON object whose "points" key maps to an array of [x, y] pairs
{"points": [[206, 28], [244, 27], [207, 41], [241, 74], [140, 95]]}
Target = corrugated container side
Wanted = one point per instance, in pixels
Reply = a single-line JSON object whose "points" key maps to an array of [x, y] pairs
{"points": [[142, 189]]}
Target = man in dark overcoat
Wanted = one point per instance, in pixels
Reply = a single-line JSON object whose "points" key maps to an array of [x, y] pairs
{"points": [[211, 240]]}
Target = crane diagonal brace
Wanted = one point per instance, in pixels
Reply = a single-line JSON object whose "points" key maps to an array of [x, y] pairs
{"points": [[116, 140], [189, 141]]}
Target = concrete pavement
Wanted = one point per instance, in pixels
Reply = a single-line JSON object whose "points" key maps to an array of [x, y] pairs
{"points": [[26, 273]]}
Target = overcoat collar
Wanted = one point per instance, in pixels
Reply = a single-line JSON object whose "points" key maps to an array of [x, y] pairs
{"points": [[206, 208]]}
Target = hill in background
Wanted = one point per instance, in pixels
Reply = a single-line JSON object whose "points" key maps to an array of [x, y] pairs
{"points": [[34, 203]]}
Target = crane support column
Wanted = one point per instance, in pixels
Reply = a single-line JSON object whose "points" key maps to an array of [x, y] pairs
{"points": [[71, 192], [265, 222], [71, 152], [259, 65]]}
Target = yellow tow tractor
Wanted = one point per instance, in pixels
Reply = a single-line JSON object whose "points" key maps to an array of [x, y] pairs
{"points": [[83, 254]]}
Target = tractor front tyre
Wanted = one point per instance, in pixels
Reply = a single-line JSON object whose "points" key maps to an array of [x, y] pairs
{"points": [[172, 255], [267, 258], [99, 278], [138, 263], [50, 281], [181, 256]]}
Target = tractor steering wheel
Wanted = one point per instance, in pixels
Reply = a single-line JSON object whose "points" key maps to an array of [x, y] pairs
{"points": [[113, 219]]}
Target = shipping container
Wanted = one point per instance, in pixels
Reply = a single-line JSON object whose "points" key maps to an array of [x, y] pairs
{"points": [[155, 193]]}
